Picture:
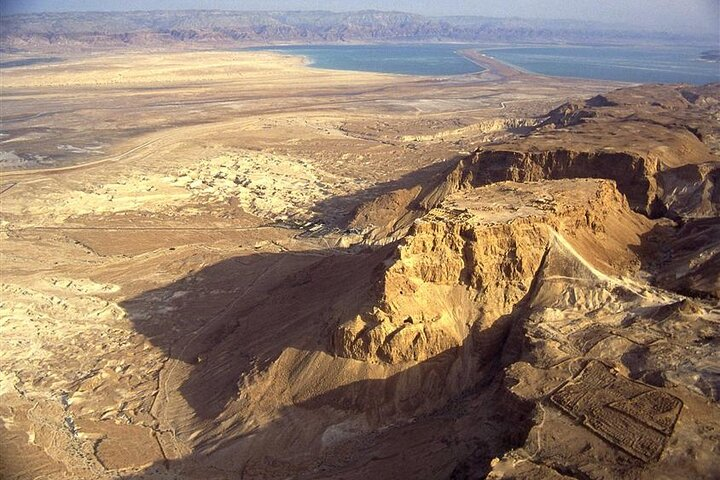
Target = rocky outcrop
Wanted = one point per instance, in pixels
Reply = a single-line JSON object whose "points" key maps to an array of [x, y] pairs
{"points": [[691, 191], [687, 259], [654, 142], [633, 174], [501, 314], [481, 128], [446, 277], [567, 114], [390, 215], [464, 266]]}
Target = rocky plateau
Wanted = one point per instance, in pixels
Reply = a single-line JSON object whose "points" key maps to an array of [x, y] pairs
{"points": [[545, 306]]}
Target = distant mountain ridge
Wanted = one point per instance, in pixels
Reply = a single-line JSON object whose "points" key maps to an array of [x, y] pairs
{"points": [[209, 27]]}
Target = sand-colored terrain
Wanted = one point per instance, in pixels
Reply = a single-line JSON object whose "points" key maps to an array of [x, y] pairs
{"points": [[231, 265]]}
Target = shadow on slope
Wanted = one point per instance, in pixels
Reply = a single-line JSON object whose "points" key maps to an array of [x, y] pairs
{"points": [[684, 259], [232, 322], [386, 202], [244, 311]]}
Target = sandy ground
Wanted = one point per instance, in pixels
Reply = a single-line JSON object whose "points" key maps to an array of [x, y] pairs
{"points": [[183, 186]]}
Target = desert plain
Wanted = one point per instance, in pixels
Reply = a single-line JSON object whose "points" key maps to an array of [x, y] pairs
{"points": [[229, 264]]}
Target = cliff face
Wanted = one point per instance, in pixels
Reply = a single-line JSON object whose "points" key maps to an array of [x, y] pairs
{"points": [[513, 311], [528, 269], [391, 335], [653, 142], [691, 191], [633, 174], [519, 314], [472, 260]]}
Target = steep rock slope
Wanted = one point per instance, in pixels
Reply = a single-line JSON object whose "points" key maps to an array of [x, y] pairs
{"points": [[499, 321], [471, 260], [657, 143], [378, 339], [622, 377]]}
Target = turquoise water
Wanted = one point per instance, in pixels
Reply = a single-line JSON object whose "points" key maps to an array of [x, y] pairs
{"points": [[430, 60], [628, 64]]}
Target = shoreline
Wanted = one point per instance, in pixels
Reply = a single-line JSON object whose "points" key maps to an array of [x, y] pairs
{"points": [[507, 71], [309, 61], [493, 66]]}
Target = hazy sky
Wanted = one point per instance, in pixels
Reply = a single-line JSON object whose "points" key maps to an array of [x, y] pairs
{"points": [[676, 15]]}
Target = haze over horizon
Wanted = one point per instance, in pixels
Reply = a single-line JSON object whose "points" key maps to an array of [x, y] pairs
{"points": [[691, 16]]}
